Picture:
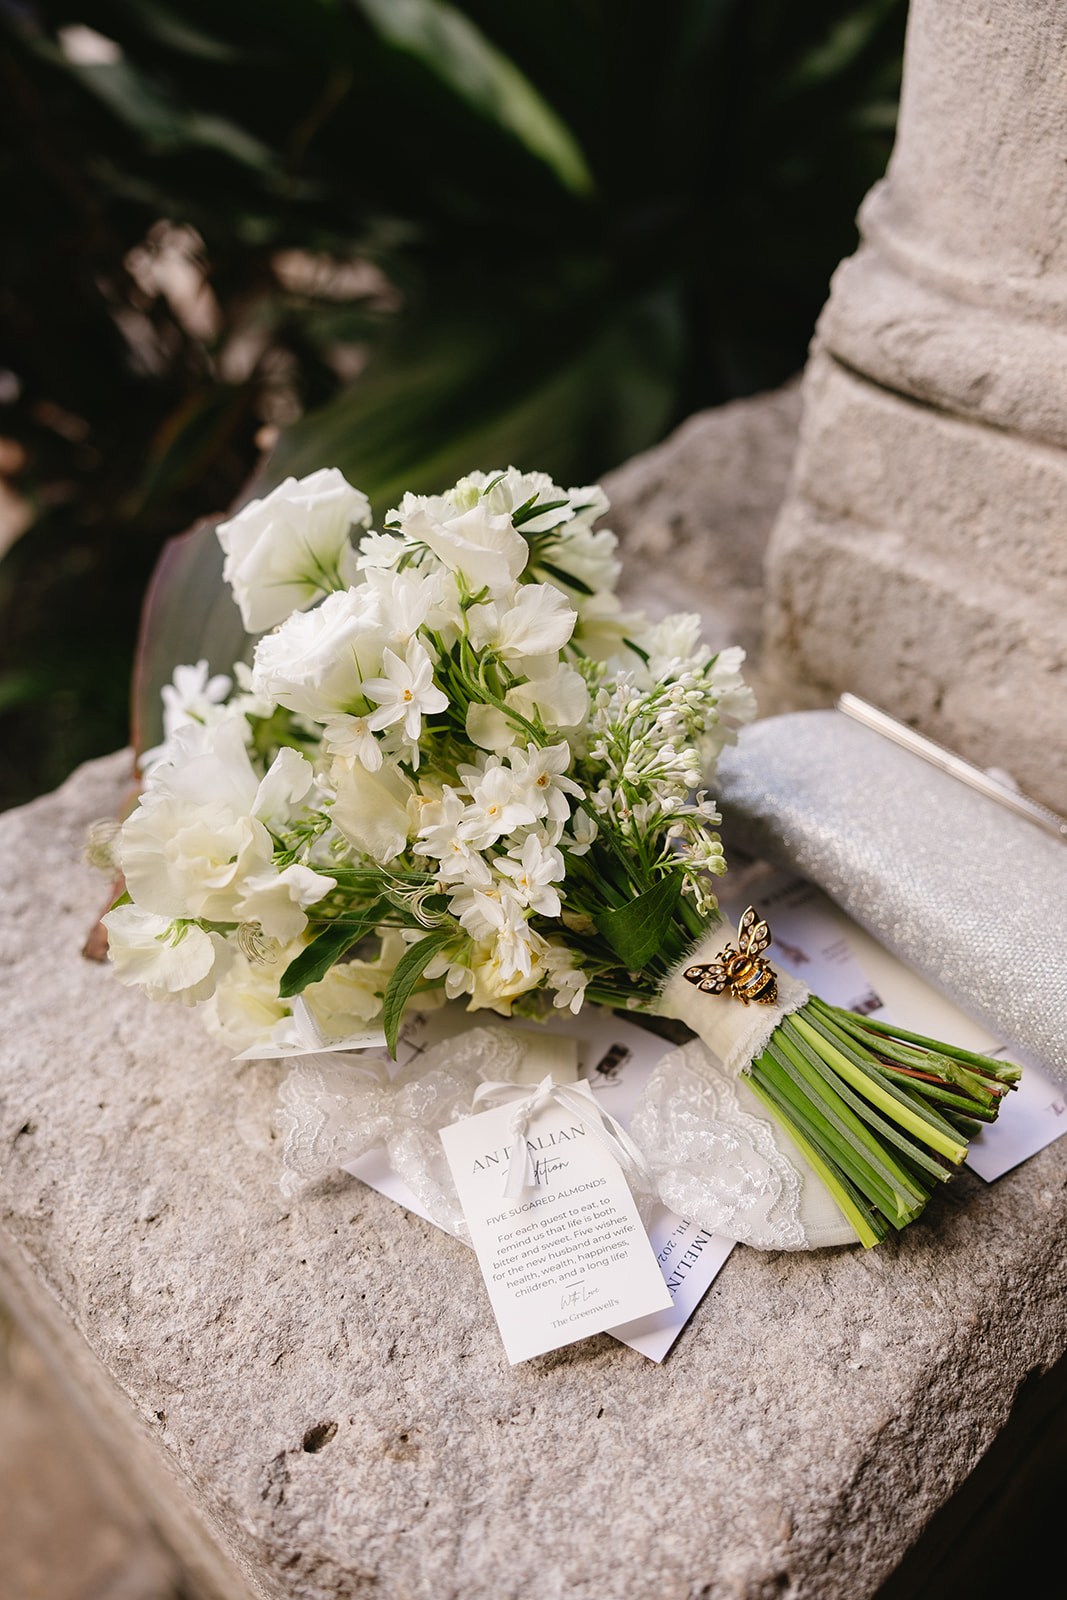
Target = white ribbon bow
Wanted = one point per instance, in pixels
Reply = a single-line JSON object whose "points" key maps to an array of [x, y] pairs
{"points": [[611, 1134]]}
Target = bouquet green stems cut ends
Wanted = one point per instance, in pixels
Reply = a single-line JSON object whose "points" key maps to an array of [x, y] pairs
{"points": [[882, 1115], [459, 769]]}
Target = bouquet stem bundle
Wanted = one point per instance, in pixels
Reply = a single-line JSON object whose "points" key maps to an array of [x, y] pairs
{"points": [[882, 1115]]}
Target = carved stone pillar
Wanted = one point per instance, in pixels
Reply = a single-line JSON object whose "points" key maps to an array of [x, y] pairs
{"points": [[920, 558]]}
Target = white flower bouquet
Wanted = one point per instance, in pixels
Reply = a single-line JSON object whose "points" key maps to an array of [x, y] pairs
{"points": [[458, 768]]}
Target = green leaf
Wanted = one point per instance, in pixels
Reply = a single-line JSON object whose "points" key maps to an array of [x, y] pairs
{"points": [[409, 970], [316, 959], [568, 578], [449, 44], [637, 930]]}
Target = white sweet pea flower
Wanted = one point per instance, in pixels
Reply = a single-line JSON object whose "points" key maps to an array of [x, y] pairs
{"points": [[406, 694], [510, 491], [192, 696], [316, 662], [484, 549], [489, 728], [603, 627], [371, 809], [169, 960], [286, 551], [532, 875], [562, 699], [277, 900], [245, 1006], [538, 622], [200, 829]]}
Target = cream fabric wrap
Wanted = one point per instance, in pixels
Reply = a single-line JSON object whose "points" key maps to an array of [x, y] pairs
{"points": [[734, 1032], [716, 1154]]}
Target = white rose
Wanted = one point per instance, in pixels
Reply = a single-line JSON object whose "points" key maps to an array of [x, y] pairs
{"points": [[169, 962], [316, 662], [284, 552]]}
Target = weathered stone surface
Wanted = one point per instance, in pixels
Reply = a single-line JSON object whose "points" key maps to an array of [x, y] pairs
{"points": [[314, 1393], [920, 558], [695, 513]]}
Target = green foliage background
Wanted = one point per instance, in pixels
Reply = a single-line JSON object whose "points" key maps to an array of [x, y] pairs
{"points": [[585, 219]]}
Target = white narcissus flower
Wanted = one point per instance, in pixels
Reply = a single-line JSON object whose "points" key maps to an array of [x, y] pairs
{"points": [[532, 875], [316, 662], [496, 807], [406, 694], [352, 740], [170, 960], [541, 782], [286, 551], [439, 836]]}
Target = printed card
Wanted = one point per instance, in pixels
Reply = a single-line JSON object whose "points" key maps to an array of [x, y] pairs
{"points": [[569, 1257]]}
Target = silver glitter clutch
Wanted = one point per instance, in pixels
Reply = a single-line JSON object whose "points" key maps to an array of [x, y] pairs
{"points": [[971, 896]]}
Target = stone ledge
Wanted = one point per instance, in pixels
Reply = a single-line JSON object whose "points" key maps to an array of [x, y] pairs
{"points": [[814, 1415]]}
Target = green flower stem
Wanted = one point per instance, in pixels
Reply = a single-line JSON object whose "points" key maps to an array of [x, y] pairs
{"points": [[862, 1221], [789, 1038], [1005, 1071], [829, 1134], [944, 1066], [870, 1064], [893, 1104]]}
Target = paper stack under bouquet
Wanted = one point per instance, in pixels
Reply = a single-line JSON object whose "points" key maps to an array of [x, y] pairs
{"points": [[459, 770]]}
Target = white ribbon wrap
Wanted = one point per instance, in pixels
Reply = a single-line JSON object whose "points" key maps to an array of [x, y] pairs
{"points": [[530, 1102], [715, 1153], [734, 1032]]}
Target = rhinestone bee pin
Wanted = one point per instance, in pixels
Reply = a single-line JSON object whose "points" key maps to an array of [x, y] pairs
{"points": [[742, 972]]}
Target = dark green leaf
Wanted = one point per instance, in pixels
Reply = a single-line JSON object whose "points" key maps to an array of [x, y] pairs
{"points": [[409, 970], [316, 959], [638, 929], [578, 584], [532, 508], [449, 44]]}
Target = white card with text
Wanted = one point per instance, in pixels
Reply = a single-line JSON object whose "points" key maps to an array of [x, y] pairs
{"points": [[568, 1257]]}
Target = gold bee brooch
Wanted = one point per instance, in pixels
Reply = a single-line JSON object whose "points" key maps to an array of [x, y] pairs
{"points": [[741, 972]]}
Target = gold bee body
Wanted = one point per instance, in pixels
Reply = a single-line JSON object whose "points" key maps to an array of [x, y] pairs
{"points": [[741, 972]]}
